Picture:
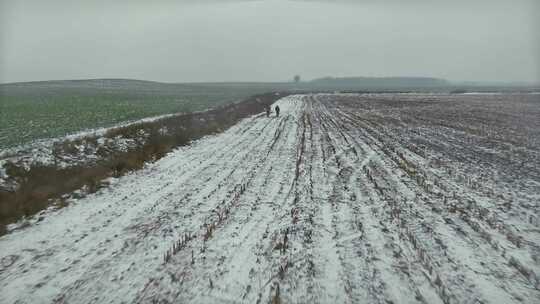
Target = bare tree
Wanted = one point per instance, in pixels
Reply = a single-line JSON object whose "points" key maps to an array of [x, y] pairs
{"points": [[297, 78]]}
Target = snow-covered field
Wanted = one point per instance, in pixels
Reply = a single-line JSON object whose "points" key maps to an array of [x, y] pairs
{"points": [[342, 199]]}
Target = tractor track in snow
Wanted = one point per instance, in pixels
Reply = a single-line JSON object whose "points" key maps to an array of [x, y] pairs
{"points": [[344, 198]]}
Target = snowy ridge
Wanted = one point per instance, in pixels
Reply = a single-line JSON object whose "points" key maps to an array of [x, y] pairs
{"points": [[323, 204]]}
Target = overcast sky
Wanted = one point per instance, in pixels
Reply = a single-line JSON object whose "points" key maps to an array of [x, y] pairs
{"points": [[269, 40]]}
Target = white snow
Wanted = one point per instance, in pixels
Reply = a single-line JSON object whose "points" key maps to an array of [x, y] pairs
{"points": [[313, 203]]}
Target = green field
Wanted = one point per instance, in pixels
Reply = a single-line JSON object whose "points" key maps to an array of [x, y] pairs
{"points": [[30, 111]]}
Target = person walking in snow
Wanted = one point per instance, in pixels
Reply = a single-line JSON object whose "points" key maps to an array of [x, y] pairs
{"points": [[267, 111], [277, 111]]}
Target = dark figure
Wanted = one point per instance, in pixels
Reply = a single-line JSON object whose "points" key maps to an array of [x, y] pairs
{"points": [[267, 111], [277, 111]]}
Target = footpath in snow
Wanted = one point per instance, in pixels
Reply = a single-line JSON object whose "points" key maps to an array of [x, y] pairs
{"points": [[324, 204]]}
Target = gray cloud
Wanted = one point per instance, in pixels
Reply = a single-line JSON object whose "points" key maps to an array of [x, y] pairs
{"points": [[268, 40]]}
